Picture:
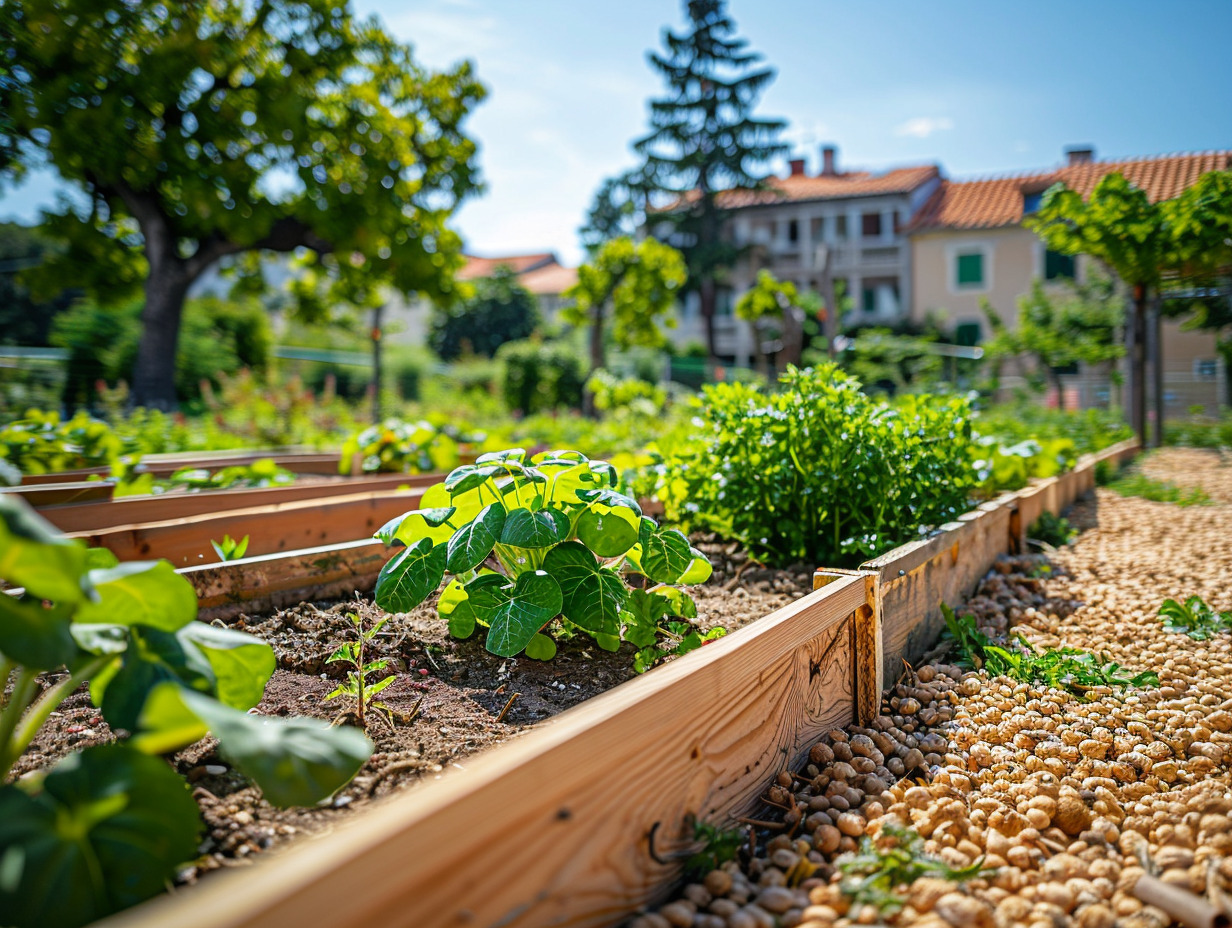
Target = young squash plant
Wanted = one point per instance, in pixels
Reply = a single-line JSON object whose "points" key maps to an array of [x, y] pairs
{"points": [[107, 827], [529, 543]]}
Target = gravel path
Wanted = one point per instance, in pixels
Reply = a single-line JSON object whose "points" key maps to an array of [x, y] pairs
{"points": [[1064, 798]]}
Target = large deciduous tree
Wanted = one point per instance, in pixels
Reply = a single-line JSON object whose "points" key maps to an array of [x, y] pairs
{"points": [[704, 139], [203, 129], [631, 285]]}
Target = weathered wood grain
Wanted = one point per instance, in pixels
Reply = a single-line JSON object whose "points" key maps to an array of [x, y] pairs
{"points": [[554, 828], [270, 529], [134, 510], [162, 465], [39, 495], [273, 581]]}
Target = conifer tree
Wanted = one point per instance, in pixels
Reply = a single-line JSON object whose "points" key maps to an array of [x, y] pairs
{"points": [[704, 139]]}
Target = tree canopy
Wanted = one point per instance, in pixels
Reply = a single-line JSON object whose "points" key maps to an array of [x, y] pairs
{"points": [[703, 139], [499, 310], [199, 130], [635, 286]]}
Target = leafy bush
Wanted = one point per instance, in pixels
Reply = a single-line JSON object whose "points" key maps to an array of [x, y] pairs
{"points": [[541, 542], [820, 471], [627, 396], [499, 311], [108, 826], [1194, 618], [263, 472], [541, 376], [42, 443], [397, 447], [1011, 467], [216, 338], [1135, 483], [1090, 430], [1200, 432], [1052, 530]]}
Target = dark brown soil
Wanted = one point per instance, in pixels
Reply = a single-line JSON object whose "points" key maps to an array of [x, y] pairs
{"points": [[445, 704]]}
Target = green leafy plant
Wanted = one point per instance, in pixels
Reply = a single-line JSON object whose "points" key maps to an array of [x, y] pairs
{"points": [[718, 845], [1053, 530], [263, 472], [880, 872], [356, 686], [1069, 669], [43, 443], [1136, 483], [819, 471], [107, 827], [229, 549], [539, 542], [1194, 618], [397, 447], [1010, 467]]}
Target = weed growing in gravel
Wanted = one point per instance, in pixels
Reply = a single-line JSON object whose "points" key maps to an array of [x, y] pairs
{"points": [[1061, 668], [880, 872], [544, 545], [1194, 618], [1135, 483], [1052, 530], [718, 845], [356, 686], [229, 549]]}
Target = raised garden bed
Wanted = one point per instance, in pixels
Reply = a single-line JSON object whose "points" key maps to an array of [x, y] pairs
{"points": [[581, 821], [163, 465]]}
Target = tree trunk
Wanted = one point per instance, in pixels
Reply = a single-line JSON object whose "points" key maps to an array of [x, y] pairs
{"points": [[708, 297], [1156, 350], [376, 364], [597, 359], [793, 337], [165, 289], [1135, 355], [829, 294], [1060, 388]]}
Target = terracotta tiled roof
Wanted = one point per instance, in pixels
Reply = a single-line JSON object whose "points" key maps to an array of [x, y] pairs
{"points": [[998, 201], [831, 187], [549, 280], [519, 264]]}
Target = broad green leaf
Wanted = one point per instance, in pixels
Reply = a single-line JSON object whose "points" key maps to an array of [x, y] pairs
{"points": [[514, 611], [295, 761], [466, 505], [152, 657], [100, 559], [166, 724], [34, 555], [410, 527], [147, 593], [108, 830], [516, 455], [609, 532], [473, 542], [38, 638], [242, 663], [591, 596], [525, 528], [468, 476], [665, 556], [455, 608], [541, 648], [559, 457], [411, 576], [608, 642], [103, 638], [612, 500]]}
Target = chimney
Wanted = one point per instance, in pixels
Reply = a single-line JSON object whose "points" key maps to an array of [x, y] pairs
{"points": [[797, 167], [828, 155], [1080, 154]]}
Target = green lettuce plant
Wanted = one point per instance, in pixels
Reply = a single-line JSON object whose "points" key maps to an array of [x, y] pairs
{"points": [[1194, 618], [539, 542], [107, 827]]}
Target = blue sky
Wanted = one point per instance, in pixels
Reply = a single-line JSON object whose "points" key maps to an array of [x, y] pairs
{"points": [[977, 87]]}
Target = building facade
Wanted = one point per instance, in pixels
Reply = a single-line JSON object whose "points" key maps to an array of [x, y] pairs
{"points": [[968, 244], [852, 220]]}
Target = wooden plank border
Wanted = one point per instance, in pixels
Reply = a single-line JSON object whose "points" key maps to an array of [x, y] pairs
{"points": [[556, 827]]}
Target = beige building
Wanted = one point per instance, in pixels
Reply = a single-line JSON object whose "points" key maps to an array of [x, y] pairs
{"points": [[968, 244]]}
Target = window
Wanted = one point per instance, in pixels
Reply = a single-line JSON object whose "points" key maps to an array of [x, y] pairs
{"points": [[1031, 203], [870, 225], [840, 227], [793, 231], [1205, 368], [818, 226], [868, 299], [1058, 266], [967, 333], [970, 269]]}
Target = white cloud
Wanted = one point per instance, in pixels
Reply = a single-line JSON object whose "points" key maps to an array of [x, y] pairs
{"points": [[921, 127]]}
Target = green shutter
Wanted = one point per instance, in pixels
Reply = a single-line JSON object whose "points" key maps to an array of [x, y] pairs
{"points": [[869, 300], [1058, 266], [971, 269]]}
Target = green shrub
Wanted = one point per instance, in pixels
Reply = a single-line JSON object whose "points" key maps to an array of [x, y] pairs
{"points": [[1136, 483], [1090, 430], [42, 443], [628, 396], [397, 447], [541, 376], [1011, 467], [820, 472], [499, 311], [1052, 529], [1200, 432]]}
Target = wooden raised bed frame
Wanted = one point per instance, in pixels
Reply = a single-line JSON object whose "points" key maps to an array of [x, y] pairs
{"points": [[583, 820]]}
